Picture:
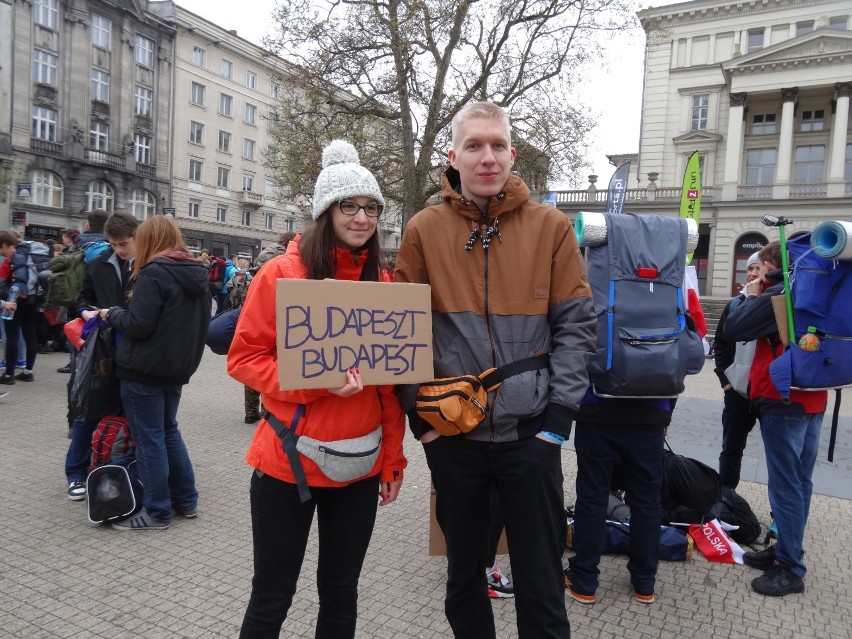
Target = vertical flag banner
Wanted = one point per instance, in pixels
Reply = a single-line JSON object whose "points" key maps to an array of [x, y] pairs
{"points": [[617, 189], [690, 197]]}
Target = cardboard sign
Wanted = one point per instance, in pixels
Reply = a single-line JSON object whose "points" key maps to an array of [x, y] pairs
{"points": [[328, 326]]}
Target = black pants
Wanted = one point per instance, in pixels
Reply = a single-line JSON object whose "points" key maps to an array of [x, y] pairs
{"points": [[528, 478], [280, 528], [25, 321], [737, 423], [638, 450]]}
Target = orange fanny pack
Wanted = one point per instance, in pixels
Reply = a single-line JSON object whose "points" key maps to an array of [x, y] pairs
{"points": [[455, 405]]}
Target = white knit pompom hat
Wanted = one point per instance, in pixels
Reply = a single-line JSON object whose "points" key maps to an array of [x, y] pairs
{"points": [[342, 176]]}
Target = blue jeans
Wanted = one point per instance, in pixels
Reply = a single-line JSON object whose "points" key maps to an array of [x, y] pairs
{"points": [[791, 443], [79, 454], [162, 459]]}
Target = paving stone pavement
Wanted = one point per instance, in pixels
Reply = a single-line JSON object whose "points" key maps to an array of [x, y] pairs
{"points": [[61, 577]]}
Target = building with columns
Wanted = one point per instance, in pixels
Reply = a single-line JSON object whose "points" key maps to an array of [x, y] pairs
{"points": [[761, 91]]}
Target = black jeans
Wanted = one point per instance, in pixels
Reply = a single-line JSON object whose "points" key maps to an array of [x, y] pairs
{"points": [[737, 423], [528, 478], [25, 321], [280, 528], [638, 450]]}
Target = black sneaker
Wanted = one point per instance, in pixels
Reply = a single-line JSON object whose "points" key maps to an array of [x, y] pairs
{"points": [[252, 419], [499, 586], [778, 581], [140, 521], [8, 380], [583, 598], [25, 377], [64, 369], [763, 560], [77, 490]]}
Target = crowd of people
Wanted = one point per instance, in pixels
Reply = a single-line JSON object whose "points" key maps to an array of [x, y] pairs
{"points": [[508, 282]]}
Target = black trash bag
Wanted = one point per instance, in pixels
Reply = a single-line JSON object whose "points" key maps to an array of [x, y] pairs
{"points": [[689, 484], [96, 391]]}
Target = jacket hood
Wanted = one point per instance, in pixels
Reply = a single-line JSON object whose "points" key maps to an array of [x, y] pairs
{"points": [[86, 237], [513, 195], [189, 272]]}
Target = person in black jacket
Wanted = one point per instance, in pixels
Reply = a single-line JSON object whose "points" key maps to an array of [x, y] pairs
{"points": [[163, 330]]}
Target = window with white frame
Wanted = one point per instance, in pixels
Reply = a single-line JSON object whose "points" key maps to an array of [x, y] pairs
{"points": [[251, 114], [44, 67], [808, 163], [47, 189], [246, 219], [101, 32], [143, 99], [99, 87], [813, 120], [223, 177], [194, 208], [838, 22], [196, 95], [99, 196], [755, 40], [142, 148], [44, 124], [248, 149], [804, 27], [142, 204], [99, 135], [222, 213], [268, 221], [196, 168], [226, 104], [274, 90], [224, 141], [227, 69], [763, 124], [698, 113], [288, 224], [251, 79], [269, 189], [196, 132], [248, 181], [46, 13], [198, 56], [143, 51], [760, 166]]}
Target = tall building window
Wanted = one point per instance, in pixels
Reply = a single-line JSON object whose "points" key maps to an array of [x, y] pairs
{"points": [[700, 108], [99, 136], [248, 181], [196, 168], [99, 196], [251, 79], [227, 69], [288, 224], [198, 56], [274, 90], [143, 51], [100, 85], [196, 95], [143, 99], [804, 27], [755, 40], [847, 171], [251, 114], [223, 177], [808, 163], [101, 32], [248, 149], [44, 67], [196, 132], [226, 104], [143, 204], [47, 189], [194, 208], [224, 141], [813, 120], [221, 213], [760, 166], [838, 22], [268, 221], [246, 217], [46, 13], [142, 148], [763, 124], [44, 124]]}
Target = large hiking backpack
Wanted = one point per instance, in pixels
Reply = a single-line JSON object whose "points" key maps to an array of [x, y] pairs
{"points": [[646, 342], [68, 271], [237, 289], [30, 259], [822, 297], [216, 275]]}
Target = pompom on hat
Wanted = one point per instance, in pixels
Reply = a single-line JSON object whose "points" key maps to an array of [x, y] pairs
{"points": [[342, 176]]}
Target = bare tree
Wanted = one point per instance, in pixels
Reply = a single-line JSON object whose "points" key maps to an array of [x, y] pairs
{"points": [[389, 75]]}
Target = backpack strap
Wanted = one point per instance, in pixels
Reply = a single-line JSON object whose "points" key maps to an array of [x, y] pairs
{"points": [[288, 438], [499, 375]]}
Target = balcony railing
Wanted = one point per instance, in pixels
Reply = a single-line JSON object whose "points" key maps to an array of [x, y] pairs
{"points": [[146, 170], [814, 189], [754, 192], [45, 147], [111, 160], [250, 198], [634, 195]]}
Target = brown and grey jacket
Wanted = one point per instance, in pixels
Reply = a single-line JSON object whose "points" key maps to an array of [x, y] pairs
{"points": [[507, 283]]}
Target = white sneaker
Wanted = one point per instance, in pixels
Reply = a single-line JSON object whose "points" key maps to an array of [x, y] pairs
{"points": [[77, 490], [499, 586]]}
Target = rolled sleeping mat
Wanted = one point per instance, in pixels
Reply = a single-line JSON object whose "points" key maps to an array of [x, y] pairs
{"points": [[833, 240], [590, 229]]}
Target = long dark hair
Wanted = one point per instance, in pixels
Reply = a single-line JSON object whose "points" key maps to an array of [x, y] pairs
{"points": [[316, 249]]}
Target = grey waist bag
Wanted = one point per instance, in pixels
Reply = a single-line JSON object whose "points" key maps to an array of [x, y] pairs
{"points": [[340, 460]]}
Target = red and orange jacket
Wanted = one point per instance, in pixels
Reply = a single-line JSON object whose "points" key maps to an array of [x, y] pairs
{"points": [[253, 360]]}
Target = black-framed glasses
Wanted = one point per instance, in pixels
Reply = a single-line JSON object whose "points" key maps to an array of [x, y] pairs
{"points": [[350, 208]]}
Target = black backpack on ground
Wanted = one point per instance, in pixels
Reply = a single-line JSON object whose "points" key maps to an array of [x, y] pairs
{"points": [[733, 509]]}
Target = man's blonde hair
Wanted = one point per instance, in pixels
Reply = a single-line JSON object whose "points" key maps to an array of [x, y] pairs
{"points": [[481, 110]]}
